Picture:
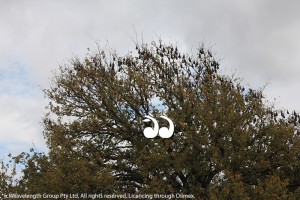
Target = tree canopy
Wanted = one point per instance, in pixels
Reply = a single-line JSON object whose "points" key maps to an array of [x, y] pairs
{"points": [[227, 143]]}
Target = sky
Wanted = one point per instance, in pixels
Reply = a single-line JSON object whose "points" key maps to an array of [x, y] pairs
{"points": [[257, 41]]}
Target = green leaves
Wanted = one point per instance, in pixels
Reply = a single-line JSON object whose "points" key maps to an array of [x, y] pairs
{"points": [[227, 143]]}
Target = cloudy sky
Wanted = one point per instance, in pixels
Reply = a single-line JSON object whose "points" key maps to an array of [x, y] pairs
{"points": [[256, 40]]}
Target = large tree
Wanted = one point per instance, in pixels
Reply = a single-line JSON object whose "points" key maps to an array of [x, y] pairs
{"points": [[227, 143]]}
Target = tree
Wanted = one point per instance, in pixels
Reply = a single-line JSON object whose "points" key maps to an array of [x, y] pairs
{"points": [[227, 142]]}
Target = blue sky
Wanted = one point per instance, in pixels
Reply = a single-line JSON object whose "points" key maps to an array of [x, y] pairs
{"points": [[21, 106], [256, 40]]}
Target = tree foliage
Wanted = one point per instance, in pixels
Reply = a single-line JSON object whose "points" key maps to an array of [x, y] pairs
{"points": [[227, 143]]}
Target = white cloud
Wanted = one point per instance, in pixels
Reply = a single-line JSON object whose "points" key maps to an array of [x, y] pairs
{"points": [[20, 126], [21, 109]]}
